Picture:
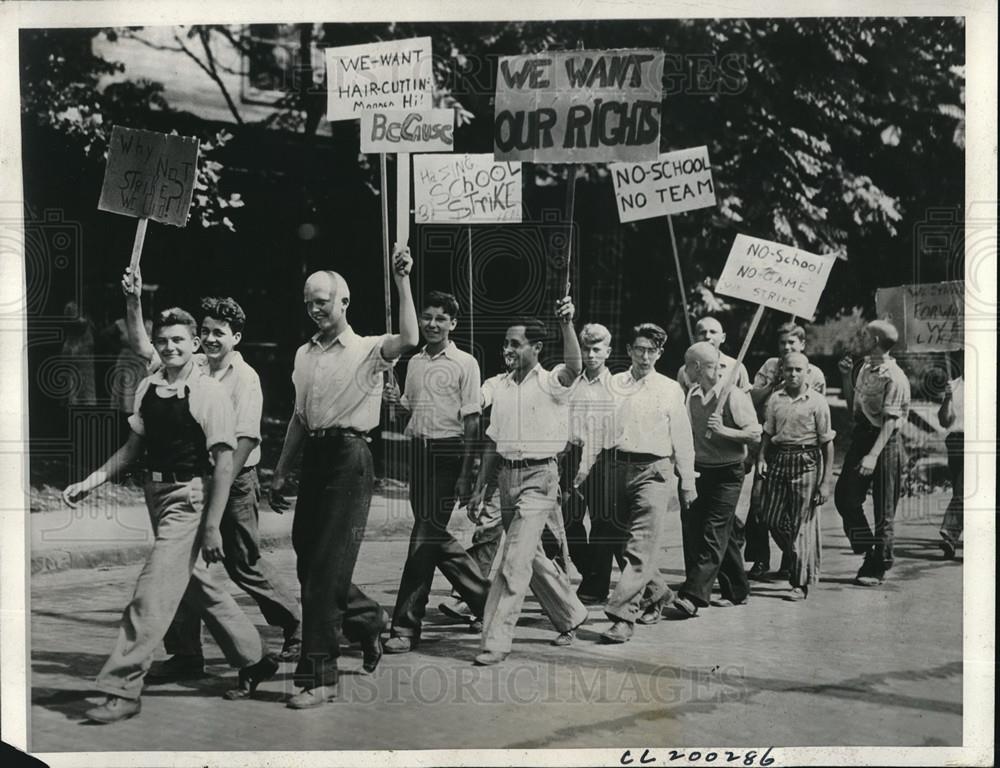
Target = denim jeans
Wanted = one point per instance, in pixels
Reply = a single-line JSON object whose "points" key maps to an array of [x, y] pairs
{"points": [[852, 489], [527, 497], [436, 465], [245, 566], [174, 570], [331, 513]]}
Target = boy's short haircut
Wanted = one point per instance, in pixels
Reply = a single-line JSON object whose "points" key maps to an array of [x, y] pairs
{"points": [[534, 329], [792, 329], [785, 359], [649, 331], [446, 301], [886, 333], [175, 316], [226, 310], [594, 333]]}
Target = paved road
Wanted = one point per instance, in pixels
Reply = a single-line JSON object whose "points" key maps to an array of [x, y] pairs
{"points": [[849, 666]]}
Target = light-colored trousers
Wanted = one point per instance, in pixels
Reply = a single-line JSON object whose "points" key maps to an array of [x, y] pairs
{"points": [[175, 570], [528, 496]]}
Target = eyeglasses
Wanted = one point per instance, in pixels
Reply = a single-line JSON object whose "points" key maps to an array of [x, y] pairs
{"points": [[646, 351]]}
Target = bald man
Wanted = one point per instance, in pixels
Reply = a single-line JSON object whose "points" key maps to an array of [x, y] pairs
{"points": [[338, 378], [880, 398], [710, 330]]}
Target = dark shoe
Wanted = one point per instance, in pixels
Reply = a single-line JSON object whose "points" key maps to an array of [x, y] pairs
{"points": [[489, 658], [177, 667], [476, 626], [686, 607], [371, 652], [758, 572], [113, 709], [948, 547], [308, 698], [291, 649], [250, 677], [591, 599], [620, 632], [565, 638], [400, 644]]}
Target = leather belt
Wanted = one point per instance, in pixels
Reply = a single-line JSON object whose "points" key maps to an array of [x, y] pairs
{"points": [[628, 457], [522, 463], [174, 477], [320, 434]]}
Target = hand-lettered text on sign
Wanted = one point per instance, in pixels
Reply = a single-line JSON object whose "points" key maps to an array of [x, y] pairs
{"points": [[673, 183], [579, 106], [778, 276], [149, 175], [930, 317], [397, 74], [427, 130], [466, 189]]}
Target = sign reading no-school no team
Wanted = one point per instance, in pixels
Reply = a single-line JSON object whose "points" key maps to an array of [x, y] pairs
{"points": [[149, 175], [579, 106], [673, 183], [778, 276], [397, 74]]}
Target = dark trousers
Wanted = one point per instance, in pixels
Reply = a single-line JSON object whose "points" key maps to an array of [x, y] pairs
{"points": [[435, 466], [245, 566], [609, 527], [710, 549], [953, 523], [852, 489], [330, 518]]}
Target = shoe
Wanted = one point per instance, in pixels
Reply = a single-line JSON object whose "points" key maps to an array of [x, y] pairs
{"points": [[686, 607], [652, 614], [489, 658], [371, 652], [725, 602], [565, 638], [177, 667], [476, 626], [252, 676], [591, 599], [797, 593], [113, 709], [457, 609], [400, 644], [308, 698], [758, 571], [868, 581], [948, 547], [291, 649], [620, 632]]}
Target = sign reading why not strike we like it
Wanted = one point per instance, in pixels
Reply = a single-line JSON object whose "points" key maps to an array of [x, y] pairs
{"points": [[426, 130], [778, 276], [466, 189], [579, 106], [149, 175], [673, 183], [397, 74]]}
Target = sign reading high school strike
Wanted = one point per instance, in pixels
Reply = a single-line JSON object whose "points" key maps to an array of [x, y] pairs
{"points": [[579, 106], [930, 316], [465, 189], [778, 276], [397, 74], [673, 183], [149, 175]]}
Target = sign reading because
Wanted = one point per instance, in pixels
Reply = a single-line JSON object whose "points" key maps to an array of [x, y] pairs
{"points": [[579, 106], [778, 276], [930, 317], [673, 183], [466, 189], [427, 130], [397, 74], [149, 175]]}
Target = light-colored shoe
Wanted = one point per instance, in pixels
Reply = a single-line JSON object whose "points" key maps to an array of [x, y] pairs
{"points": [[308, 698], [457, 609], [564, 639], [489, 658], [796, 594], [620, 632], [400, 644], [113, 709]]}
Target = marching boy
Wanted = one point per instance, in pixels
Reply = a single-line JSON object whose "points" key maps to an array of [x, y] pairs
{"points": [[796, 462], [184, 423]]}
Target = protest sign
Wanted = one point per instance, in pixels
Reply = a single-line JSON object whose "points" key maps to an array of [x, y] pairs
{"points": [[930, 317], [673, 183], [427, 130], [774, 275], [396, 74], [466, 189], [149, 175], [579, 106]]}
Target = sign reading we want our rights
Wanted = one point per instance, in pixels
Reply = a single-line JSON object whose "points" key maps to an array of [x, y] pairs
{"points": [[579, 106]]}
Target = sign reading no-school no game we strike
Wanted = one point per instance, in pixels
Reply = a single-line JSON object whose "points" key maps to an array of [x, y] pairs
{"points": [[579, 106], [396, 74]]}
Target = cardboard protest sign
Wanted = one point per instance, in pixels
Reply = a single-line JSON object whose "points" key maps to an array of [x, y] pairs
{"points": [[466, 189], [427, 130], [149, 175], [930, 317], [673, 183], [775, 275], [579, 106], [396, 74]]}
